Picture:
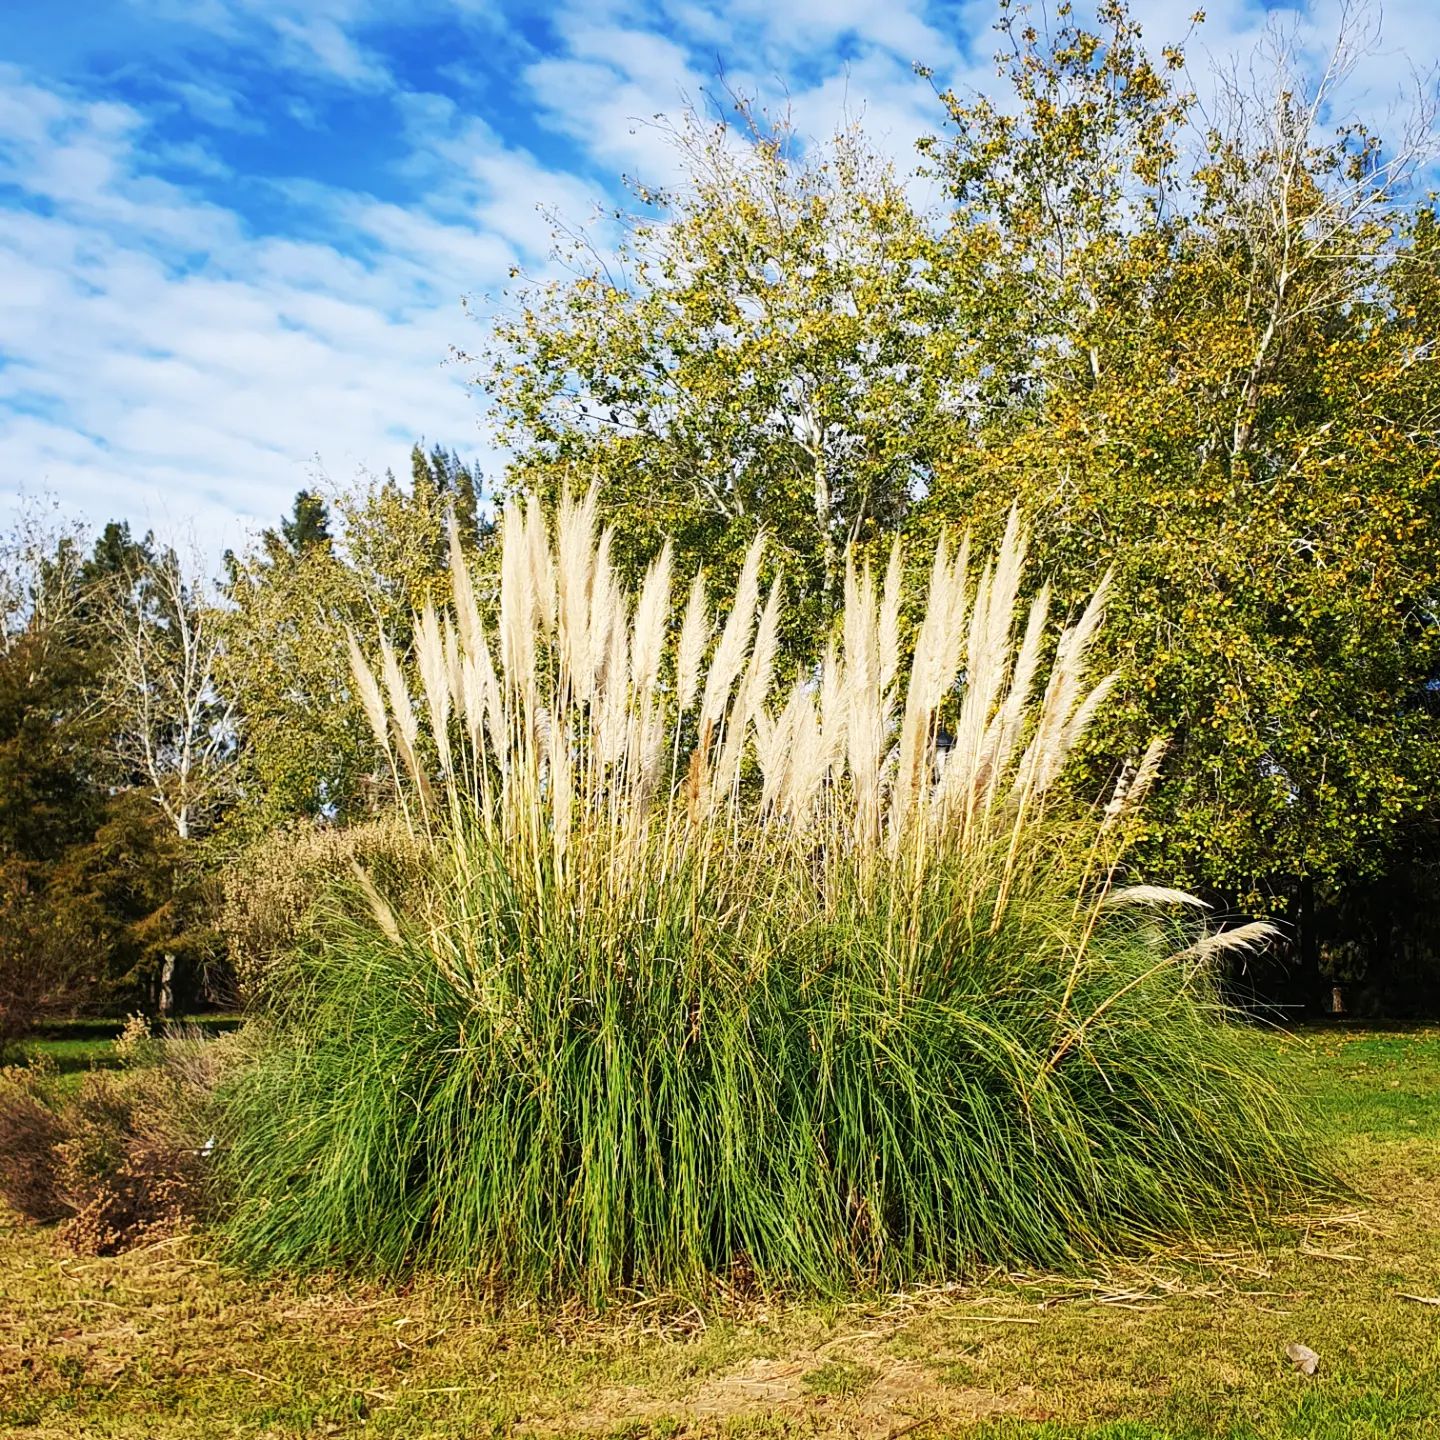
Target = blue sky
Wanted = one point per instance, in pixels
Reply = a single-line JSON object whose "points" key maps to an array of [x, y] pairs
{"points": [[235, 234]]}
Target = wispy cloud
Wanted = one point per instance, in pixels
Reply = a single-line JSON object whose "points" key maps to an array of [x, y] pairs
{"points": [[164, 361]]}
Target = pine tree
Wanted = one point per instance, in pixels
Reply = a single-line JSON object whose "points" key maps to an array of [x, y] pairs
{"points": [[458, 482], [308, 523]]}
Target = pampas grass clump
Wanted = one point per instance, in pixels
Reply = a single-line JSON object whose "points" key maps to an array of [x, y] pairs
{"points": [[821, 988]]}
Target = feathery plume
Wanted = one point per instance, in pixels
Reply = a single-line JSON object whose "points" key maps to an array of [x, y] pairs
{"points": [[1146, 773], [734, 641], [1242, 940], [371, 701], [402, 713], [542, 565], [650, 616], [889, 630], [517, 604], [434, 680], [1160, 896], [754, 687], [694, 636], [574, 577], [1004, 732], [379, 906], [467, 611], [606, 610]]}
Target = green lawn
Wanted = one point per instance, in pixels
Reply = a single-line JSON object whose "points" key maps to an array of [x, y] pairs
{"points": [[75, 1046], [1184, 1344]]}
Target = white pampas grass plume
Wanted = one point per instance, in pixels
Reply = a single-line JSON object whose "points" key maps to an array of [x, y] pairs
{"points": [[1242, 940], [932, 673], [770, 754], [454, 671], [889, 631], [734, 638], [368, 687], [1158, 896], [542, 566], [1135, 783], [402, 712], [866, 703], [1063, 713], [467, 612], [651, 613], [379, 906], [1085, 712], [694, 637], [574, 578], [809, 757], [482, 693], [517, 604], [1004, 732], [754, 687], [615, 690], [832, 701], [606, 611], [434, 680], [987, 667]]}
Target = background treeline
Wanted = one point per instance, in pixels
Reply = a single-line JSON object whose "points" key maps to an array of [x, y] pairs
{"points": [[1194, 345]]}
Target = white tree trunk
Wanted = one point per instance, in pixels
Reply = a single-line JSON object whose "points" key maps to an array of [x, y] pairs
{"points": [[165, 1003]]}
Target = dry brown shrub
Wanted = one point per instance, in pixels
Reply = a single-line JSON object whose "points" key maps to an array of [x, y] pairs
{"points": [[135, 1164], [130, 1167], [29, 1133], [125, 1159], [274, 892]]}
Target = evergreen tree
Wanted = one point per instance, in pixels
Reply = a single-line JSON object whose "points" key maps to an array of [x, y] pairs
{"points": [[308, 523], [451, 478]]}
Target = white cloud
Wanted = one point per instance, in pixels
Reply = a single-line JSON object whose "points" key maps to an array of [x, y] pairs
{"points": [[309, 41], [216, 104], [164, 362]]}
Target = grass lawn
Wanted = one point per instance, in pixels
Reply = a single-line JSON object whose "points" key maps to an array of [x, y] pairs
{"points": [[75, 1046], [1189, 1343]]}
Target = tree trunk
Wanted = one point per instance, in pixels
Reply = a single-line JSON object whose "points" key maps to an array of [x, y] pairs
{"points": [[1314, 991], [828, 552], [165, 1003]]}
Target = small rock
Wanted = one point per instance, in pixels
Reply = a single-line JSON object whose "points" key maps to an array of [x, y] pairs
{"points": [[1304, 1359]]}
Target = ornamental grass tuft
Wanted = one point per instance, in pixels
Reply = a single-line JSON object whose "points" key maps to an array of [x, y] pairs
{"points": [[825, 989]]}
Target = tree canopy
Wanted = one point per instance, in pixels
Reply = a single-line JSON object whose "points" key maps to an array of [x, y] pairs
{"points": [[1195, 349]]}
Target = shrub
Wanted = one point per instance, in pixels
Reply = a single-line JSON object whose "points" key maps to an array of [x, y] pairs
{"points": [[123, 1159], [29, 1132], [126, 1175], [703, 986], [273, 890]]}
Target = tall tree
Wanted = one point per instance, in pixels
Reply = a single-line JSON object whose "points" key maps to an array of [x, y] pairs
{"points": [[1197, 361], [304, 750], [766, 348], [457, 482], [171, 732], [48, 667], [51, 792], [307, 524]]}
